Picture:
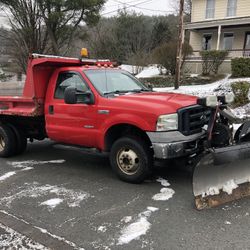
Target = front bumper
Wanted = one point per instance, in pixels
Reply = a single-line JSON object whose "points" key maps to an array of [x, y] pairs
{"points": [[173, 144]]}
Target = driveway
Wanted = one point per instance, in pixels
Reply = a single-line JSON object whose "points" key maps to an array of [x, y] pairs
{"points": [[56, 197]]}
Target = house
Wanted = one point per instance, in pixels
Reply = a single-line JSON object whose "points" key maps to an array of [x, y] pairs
{"points": [[219, 25]]}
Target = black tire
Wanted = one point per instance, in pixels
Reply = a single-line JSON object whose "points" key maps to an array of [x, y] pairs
{"points": [[131, 159], [21, 139], [8, 142]]}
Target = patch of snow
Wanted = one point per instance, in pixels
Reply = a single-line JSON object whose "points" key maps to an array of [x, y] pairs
{"points": [[134, 231], [163, 182], [131, 68], [52, 203], [150, 71], [25, 164], [7, 175], [73, 198], [229, 187], [102, 229], [219, 87], [14, 240], [211, 191], [138, 228], [164, 195], [152, 209], [72, 244], [228, 223], [126, 219]]}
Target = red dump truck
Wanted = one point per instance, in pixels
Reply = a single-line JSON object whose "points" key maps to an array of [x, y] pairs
{"points": [[93, 104]]}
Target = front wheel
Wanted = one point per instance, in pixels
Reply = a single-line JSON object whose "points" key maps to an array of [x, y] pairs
{"points": [[131, 159]]}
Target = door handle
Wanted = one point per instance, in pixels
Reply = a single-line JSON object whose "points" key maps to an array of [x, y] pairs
{"points": [[51, 110]]}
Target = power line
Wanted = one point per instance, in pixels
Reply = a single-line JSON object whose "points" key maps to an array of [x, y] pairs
{"points": [[131, 6], [142, 8], [113, 5]]}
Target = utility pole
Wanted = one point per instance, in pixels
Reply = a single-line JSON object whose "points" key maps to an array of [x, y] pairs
{"points": [[180, 45]]}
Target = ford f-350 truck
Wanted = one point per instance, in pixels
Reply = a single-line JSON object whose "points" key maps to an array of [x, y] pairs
{"points": [[93, 104]]}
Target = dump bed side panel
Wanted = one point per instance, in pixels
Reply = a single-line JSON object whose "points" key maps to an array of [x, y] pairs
{"points": [[21, 106]]}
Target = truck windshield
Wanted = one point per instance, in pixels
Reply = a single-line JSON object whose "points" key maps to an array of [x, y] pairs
{"points": [[109, 82]]}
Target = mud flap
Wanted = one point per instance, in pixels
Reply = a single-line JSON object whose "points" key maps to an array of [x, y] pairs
{"points": [[222, 176]]}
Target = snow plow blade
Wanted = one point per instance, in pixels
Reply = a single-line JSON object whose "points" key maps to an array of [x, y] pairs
{"points": [[222, 176]]}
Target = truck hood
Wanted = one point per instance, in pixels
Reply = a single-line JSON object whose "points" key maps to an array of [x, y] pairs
{"points": [[156, 102]]}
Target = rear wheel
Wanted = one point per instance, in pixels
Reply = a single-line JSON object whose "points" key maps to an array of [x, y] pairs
{"points": [[131, 159], [21, 140], [7, 141]]}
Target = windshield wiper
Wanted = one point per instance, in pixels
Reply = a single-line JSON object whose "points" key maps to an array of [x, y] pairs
{"points": [[126, 91], [139, 90], [115, 92]]}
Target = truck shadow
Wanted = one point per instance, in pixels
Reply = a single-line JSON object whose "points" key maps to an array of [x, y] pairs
{"points": [[82, 159]]}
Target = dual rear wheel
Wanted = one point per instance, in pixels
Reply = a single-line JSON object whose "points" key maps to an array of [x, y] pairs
{"points": [[12, 141]]}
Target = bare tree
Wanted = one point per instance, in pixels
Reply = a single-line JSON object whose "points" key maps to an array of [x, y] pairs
{"points": [[27, 34]]}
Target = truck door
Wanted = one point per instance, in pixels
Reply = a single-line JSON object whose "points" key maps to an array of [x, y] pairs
{"points": [[70, 123]]}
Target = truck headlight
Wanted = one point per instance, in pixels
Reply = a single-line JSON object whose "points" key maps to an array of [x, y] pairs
{"points": [[167, 122]]}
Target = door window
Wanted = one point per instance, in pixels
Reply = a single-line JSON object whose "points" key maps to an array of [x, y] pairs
{"points": [[207, 42], [228, 41], [69, 79]]}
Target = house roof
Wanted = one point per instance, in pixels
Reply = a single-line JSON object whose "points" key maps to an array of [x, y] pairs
{"points": [[240, 21]]}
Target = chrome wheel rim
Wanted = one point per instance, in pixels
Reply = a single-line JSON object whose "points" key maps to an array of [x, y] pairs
{"points": [[128, 161], [2, 143]]}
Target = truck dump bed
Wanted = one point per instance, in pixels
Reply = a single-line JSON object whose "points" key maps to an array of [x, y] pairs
{"points": [[28, 100]]}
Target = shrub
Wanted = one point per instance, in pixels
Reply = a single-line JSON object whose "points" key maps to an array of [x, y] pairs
{"points": [[240, 90], [158, 82], [166, 55], [211, 60], [240, 67]]}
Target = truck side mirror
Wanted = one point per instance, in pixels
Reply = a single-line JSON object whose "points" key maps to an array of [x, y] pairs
{"points": [[74, 96]]}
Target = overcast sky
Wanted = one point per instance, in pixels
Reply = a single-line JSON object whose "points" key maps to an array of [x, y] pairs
{"points": [[147, 7]]}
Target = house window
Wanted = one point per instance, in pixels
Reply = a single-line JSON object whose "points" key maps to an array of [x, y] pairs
{"points": [[210, 9], [247, 41], [207, 42], [231, 7], [228, 41]]}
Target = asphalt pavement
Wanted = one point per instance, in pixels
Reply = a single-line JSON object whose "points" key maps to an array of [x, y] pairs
{"points": [[57, 197]]}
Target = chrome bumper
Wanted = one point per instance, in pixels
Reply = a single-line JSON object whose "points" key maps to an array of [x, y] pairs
{"points": [[169, 145]]}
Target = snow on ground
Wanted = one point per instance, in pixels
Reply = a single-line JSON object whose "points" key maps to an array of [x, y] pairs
{"points": [[131, 68], [52, 203], [102, 229], [7, 175], [34, 190], [165, 193], [218, 87], [138, 228], [126, 219], [13, 240], [31, 163], [26, 166], [141, 225], [72, 244], [150, 71]]}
